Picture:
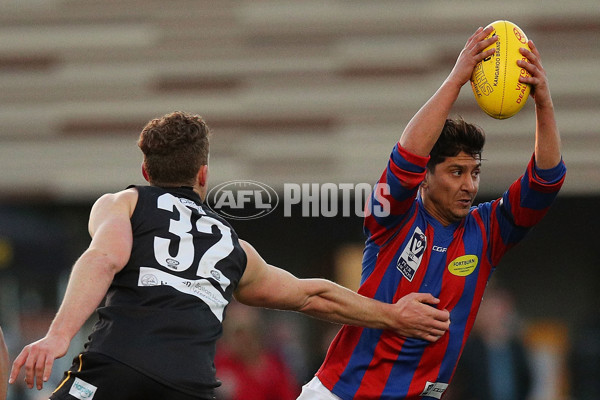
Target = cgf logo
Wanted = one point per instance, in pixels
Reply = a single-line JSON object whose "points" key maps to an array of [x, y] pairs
{"points": [[411, 256]]}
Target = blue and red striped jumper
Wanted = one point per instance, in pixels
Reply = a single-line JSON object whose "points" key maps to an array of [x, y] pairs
{"points": [[410, 251]]}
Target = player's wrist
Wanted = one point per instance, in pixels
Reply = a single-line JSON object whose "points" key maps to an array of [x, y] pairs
{"points": [[61, 333], [454, 82]]}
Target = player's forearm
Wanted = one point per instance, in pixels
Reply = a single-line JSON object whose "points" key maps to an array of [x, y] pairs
{"points": [[425, 127], [547, 140], [4, 363], [89, 281], [335, 303]]}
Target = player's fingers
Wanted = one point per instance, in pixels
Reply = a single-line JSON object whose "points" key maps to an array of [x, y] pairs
{"points": [[485, 54], [478, 48], [437, 332], [531, 57], [440, 324], [439, 315], [430, 337], [486, 42], [426, 298], [429, 300], [30, 368], [529, 67], [39, 371], [48, 368], [475, 36], [534, 48], [485, 32], [536, 74], [17, 365], [477, 32]]}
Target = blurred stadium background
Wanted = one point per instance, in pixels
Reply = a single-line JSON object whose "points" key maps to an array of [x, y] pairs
{"points": [[294, 91]]}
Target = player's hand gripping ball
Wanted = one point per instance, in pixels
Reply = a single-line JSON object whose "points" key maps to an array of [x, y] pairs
{"points": [[495, 80]]}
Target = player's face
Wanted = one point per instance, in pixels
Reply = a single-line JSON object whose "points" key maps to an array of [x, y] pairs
{"points": [[449, 191]]}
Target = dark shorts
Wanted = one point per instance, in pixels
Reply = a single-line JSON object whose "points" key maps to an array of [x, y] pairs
{"points": [[94, 376]]}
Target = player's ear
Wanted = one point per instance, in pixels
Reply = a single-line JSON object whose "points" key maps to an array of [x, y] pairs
{"points": [[145, 173], [202, 177], [425, 180]]}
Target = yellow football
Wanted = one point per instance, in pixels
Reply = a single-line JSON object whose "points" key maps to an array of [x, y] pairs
{"points": [[495, 80]]}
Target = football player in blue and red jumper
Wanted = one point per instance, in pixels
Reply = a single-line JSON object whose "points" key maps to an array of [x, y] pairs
{"points": [[433, 241]]}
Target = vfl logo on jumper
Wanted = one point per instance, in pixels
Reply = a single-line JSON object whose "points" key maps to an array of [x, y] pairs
{"points": [[463, 265], [82, 390], [411, 256], [434, 389], [242, 199]]}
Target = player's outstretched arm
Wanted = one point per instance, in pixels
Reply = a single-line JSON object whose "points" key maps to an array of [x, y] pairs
{"points": [[547, 138], [264, 285], [4, 362], [90, 278], [425, 127]]}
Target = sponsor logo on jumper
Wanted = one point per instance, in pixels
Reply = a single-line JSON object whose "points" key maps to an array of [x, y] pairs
{"points": [[191, 204], [463, 265], [434, 389], [149, 280], [200, 288], [82, 390]]}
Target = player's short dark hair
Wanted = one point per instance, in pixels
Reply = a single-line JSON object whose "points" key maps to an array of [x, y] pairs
{"points": [[457, 135], [175, 146]]}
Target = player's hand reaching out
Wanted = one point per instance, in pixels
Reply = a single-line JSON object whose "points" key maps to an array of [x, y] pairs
{"points": [[419, 319], [38, 359]]}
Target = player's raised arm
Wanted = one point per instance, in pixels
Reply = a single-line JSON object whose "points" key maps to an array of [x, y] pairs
{"points": [[90, 278], [547, 138], [424, 128], [264, 285]]}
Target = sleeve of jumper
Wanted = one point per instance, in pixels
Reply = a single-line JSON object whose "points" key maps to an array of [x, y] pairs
{"points": [[523, 205], [394, 195]]}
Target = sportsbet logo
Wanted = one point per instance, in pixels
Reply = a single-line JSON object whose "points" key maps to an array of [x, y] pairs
{"points": [[463, 265]]}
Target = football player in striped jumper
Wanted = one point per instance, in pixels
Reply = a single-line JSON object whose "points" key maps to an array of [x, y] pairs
{"points": [[434, 241]]}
